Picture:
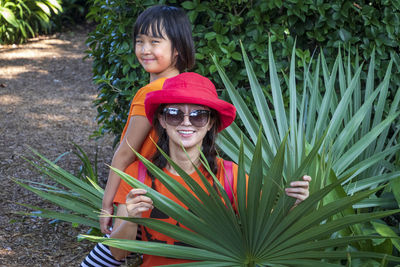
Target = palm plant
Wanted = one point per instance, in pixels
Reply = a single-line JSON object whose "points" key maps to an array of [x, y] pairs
{"points": [[79, 197], [351, 137], [357, 142], [263, 229], [265, 232]]}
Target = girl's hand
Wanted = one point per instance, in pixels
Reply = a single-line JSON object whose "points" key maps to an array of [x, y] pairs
{"points": [[105, 222], [137, 202], [299, 189]]}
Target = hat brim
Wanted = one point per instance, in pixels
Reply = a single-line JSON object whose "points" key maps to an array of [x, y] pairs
{"points": [[225, 110]]}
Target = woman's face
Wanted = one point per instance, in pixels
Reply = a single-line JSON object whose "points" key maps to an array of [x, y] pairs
{"points": [[186, 124]]}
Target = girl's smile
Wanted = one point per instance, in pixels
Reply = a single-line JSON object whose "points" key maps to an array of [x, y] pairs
{"points": [[156, 56]]}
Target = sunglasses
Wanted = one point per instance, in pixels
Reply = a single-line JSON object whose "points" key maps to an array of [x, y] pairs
{"points": [[175, 117]]}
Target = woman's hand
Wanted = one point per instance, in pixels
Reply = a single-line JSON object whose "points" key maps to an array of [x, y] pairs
{"points": [[299, 189], [137, 202]]}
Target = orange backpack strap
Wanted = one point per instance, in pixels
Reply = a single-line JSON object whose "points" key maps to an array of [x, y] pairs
{"points": [[228, 182], [141, 172]]}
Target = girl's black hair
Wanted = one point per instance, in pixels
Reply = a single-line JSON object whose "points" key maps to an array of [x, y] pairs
{"points": [[177, 27], [208, 146]]}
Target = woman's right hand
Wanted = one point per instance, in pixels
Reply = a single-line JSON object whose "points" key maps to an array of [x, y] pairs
{"points": [[137, 202]]}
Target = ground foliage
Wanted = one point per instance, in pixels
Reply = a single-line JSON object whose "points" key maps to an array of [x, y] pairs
{"points": [[218, 26]]}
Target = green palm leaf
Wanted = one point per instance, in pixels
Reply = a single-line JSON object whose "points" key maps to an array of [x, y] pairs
{"points": [[292, 231], [81, 200], [66, 217]]}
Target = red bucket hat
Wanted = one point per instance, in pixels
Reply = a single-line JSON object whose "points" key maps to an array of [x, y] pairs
{"points": [[190, 88]]}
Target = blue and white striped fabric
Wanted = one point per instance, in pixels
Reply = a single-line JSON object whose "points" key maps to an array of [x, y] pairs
{"points": [[100, 256]]}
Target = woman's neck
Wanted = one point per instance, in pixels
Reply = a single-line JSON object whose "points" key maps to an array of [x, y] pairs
{"points": [[185, 160]]}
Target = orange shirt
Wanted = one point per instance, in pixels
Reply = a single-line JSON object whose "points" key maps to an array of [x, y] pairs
{"points": [[149, 234], [137, 109]]}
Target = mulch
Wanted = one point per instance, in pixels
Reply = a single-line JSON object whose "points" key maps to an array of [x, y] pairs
{"points": [[46, 95]]}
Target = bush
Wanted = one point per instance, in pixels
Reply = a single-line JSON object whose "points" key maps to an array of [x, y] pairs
{"points": [[20, 20], [115, 68], [218, 26], [74, 12]]}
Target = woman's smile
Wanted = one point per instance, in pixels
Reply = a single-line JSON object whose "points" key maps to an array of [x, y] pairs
{"points": [[186, 133]]}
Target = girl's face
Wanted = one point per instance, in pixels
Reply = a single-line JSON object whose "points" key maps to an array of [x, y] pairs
{"points": [[156, 56], [183, 131]]}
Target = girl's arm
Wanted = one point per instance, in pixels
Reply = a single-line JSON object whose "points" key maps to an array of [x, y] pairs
{"points": [[138, 129], [136, 203]]}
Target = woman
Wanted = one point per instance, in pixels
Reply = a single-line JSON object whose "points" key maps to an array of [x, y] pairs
{"points": [[188, 113]]}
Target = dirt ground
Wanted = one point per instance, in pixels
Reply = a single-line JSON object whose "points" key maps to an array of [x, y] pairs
{"points": [[46, 98]]}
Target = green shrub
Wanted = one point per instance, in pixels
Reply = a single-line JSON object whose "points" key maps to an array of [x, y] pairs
{"points": [[20, 20], [115, 68], [218, 26], [74, 12]]}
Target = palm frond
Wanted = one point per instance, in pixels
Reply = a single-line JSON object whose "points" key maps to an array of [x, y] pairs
{"points": [[80, 200]]}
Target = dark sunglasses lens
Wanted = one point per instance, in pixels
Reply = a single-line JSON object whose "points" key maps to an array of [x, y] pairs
{"points": [[173, 116], [199, 118]]}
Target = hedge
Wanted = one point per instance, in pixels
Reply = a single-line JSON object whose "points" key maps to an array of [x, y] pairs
{"points": [[219, 26]]}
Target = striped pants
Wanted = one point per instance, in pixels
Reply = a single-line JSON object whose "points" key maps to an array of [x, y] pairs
{"points": [[100, 256]]}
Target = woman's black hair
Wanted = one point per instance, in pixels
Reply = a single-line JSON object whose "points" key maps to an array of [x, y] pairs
{"points": [[208, 146], [177, 27]]}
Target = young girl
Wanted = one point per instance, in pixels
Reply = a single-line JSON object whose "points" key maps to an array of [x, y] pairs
{"points": [[164, 47], [188, 113]]}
